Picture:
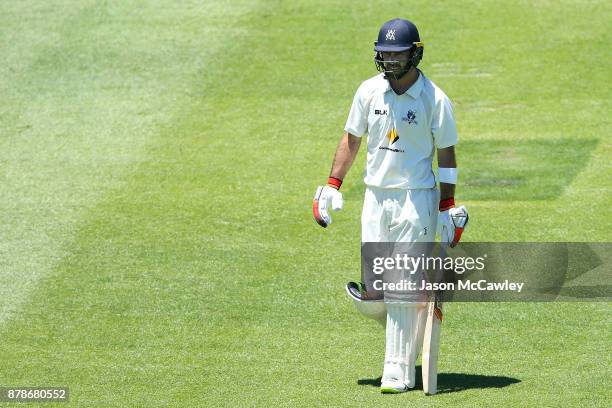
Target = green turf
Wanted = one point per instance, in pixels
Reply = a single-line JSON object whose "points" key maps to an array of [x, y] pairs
{"points": [[158, 163]]}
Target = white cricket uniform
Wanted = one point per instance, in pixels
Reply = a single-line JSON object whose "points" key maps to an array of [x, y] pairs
{"points": [[401, 199]]}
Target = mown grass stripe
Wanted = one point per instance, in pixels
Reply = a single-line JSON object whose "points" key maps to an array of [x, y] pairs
{"points": [[84, 95]]}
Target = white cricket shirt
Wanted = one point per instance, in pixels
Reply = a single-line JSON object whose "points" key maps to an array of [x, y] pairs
{"points": [[402, 131]]}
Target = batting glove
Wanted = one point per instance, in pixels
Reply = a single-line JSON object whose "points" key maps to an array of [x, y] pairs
{"points": [[451, 222], [324, 197]]}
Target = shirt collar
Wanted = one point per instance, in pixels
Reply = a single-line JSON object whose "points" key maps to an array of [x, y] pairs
{"points": [[415, 89]]}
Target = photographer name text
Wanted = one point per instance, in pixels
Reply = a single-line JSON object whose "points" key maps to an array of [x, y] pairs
{"points": [[479, 285]]}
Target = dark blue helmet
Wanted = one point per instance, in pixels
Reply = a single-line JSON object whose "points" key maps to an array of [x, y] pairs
{"points": [[398, 35]]}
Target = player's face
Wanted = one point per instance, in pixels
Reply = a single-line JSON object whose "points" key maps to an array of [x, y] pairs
{"points": [[395, 61]]}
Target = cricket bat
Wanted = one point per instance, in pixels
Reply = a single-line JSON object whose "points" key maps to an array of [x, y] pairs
{"points": [[431, 345]]}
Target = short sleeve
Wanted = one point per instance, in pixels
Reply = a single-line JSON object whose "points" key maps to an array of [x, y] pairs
{"points": [[443, 126], [357, 122]]}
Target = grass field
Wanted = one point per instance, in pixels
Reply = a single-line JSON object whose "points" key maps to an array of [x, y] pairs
{"points": [[158, 161]]}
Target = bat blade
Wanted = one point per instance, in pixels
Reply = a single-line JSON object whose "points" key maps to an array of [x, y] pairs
{"points": [[431, 346]]}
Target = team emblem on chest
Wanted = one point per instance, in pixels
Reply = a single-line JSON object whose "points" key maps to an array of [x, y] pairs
{"points": [[410, 117]]}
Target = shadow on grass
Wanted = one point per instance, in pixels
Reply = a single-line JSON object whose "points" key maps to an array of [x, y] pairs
{"points": [[519, 170], [454, 382]]}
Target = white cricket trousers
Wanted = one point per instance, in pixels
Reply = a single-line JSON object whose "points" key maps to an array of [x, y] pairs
{"points": [[398, 215]]}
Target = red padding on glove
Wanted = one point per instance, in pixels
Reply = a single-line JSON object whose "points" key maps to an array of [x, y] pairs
{"points": [[438, 313], [458, 232], [447, 204], [334, 182]]}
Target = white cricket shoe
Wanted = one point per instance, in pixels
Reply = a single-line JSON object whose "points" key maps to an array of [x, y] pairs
{"points": [[393, 386]]}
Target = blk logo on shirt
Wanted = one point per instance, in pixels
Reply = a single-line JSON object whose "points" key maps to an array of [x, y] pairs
{"points": [[380, 111]]}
